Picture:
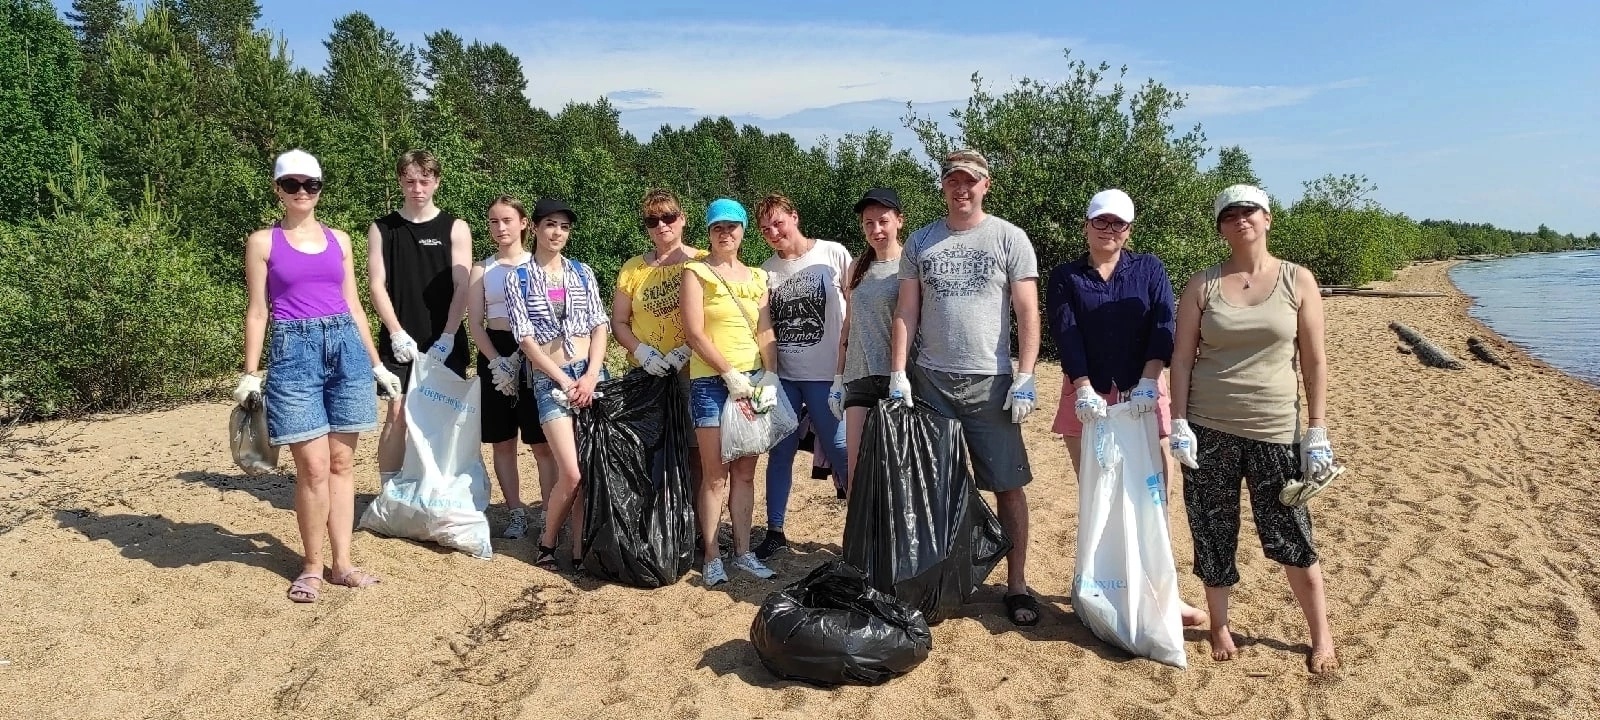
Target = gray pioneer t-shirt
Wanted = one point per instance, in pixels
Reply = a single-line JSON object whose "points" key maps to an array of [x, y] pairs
{"points": [[966, 276]]}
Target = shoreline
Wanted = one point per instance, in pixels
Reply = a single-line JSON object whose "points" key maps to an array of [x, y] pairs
{"points": [[147, 575]]}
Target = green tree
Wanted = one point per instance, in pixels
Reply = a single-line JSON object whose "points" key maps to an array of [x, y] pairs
{"points": [[368, 92], [1051, 146], [213, 29], [1233, 168], [41, 117]]}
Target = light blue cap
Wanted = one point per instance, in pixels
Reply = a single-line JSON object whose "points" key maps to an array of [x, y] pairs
{"points": [[726, 210]]}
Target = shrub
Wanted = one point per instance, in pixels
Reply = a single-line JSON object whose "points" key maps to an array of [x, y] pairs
{"points": [[106, 314]]}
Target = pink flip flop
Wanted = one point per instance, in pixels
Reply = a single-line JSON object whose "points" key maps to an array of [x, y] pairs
{"points": [[356, 578], [303, 591]]}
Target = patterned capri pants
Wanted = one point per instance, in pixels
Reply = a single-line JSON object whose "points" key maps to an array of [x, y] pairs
{"points": [[1211, 498]]}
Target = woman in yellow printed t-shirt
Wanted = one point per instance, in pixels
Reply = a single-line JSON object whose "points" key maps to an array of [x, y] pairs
{"points": [[722, 299]]}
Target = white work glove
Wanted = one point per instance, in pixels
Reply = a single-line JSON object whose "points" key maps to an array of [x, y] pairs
{"points": [[248, 385], [403, 347], [1023, 397], [442, 347], [505, 369], [1089, 406], [389, 381], [836, 397], [652, 360], [900, 387], [678, 358], [561, 398], [1143, 397], [738, 384], [1316, 453], [1184, 446]]}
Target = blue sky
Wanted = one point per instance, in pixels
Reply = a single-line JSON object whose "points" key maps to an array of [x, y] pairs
{"points": [[1473, 110]]}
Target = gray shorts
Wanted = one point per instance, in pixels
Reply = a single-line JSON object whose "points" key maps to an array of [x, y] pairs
{"points": [[999, 459]]}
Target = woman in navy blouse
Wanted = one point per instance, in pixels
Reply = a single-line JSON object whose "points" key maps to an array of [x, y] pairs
{"points": [[1112, 315]]}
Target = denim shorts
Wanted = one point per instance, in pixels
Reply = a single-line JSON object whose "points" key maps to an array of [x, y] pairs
{"points": [[549, 409], [319, 380], [707, 395]]}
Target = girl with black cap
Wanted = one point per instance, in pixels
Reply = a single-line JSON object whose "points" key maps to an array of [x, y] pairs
{"points": [[560, 324]]}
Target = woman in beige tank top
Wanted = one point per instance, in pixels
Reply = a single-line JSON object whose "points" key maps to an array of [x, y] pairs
{"points": [[1242, 328]]}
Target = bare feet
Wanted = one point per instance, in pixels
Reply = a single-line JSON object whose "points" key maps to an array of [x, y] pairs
{"points": [[1192, 616], [1222, 647], [1323, 660]]}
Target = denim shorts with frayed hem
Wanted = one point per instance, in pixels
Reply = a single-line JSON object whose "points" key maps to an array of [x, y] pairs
{"points": [[319, 380], [549, 409]]}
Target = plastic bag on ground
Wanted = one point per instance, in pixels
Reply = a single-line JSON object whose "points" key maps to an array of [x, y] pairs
{"points": [[1126, 586], [745, 432], [831, 628], [248, 439], [917, 526], [633, 446], [442, 489]]}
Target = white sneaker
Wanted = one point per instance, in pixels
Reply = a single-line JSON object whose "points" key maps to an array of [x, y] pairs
{"points": [[518, 526], [749, 563], [713, 573]]}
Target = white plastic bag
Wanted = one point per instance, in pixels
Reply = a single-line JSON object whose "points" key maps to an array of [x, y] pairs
{"points": [[742, 435], [441, 491], [1126, 586]]}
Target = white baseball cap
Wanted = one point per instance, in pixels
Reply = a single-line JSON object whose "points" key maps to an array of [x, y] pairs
{"points": [[1239, 195], [296, 162], [1111, 202]]}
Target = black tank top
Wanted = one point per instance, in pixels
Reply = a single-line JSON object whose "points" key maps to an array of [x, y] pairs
{"points": [[416, 262]]}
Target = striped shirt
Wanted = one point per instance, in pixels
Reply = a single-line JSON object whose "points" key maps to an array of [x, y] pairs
{"points": [[533, 314]]}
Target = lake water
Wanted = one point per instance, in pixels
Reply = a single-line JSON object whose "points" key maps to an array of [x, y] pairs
{"points": [[1547, 303]]}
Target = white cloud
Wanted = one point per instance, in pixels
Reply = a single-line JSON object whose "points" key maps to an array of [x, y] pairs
{"points": [[1213, 100], [771, 71]]}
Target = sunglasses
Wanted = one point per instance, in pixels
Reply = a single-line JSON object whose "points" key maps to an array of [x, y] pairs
{"points": [[291, 186], [1112, 225], [651, 221]]}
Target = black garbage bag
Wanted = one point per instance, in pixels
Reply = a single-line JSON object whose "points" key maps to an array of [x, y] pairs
{"points": [[916, 525], [831, 628], [633, 444]]}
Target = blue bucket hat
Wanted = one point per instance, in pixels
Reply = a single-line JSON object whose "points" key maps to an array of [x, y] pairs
{"points": [[726, 210]]}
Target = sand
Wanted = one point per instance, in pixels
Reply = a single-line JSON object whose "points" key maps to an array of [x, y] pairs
{"points": [[144, 577]]}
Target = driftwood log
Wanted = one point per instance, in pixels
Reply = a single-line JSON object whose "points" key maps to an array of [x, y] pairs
{"points": [[1430, 354], [1481, 351], [1364, 292]]}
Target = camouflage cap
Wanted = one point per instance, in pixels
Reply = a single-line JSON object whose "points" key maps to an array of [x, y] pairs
{"points": [[969, 161]]}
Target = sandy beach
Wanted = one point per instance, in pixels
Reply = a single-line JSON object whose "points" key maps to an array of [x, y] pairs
{"points": [[143, 577]]}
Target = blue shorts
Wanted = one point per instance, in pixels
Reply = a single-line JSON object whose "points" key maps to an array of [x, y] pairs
{"points": [[319, 380], [707, 395], [549, 409]]}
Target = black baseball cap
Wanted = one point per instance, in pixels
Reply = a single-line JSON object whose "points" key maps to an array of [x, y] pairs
{"points": [[886, 197], [551, 206]]}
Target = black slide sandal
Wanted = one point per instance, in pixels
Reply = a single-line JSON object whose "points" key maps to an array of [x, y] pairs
{"points": [[1023, 601]]}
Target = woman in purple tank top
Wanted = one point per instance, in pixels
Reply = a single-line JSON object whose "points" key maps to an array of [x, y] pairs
{"points": [[318, 389]]}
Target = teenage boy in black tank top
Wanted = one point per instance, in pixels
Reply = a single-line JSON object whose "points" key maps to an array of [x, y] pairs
{"points": [[418, 259]]}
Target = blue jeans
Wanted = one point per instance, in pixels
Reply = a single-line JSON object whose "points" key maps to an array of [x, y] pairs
{"points": [[549, 409], [319, 380], [813, 394]]}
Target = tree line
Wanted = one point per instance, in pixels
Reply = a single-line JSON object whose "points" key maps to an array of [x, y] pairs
{"points": [[136, 148]]}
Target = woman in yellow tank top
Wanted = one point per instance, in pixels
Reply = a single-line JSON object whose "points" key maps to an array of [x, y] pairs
{"points": [[728, 326], [1242, 325]]}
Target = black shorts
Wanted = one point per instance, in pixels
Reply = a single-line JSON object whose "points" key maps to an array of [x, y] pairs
{"points": [[866, 392], [503, 415], [457, 361]]}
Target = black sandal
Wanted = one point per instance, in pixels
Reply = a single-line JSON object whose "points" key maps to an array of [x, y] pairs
{"points": [[546, 559], [577, 566], [1023, 601]]}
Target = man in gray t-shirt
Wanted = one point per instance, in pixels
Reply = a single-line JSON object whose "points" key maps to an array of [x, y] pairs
{"points": [[961, 279]]}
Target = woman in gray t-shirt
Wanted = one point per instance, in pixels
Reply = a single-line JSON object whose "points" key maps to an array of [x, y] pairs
{"points": [[873, 288]]}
